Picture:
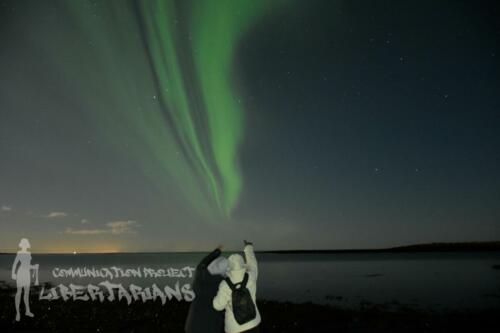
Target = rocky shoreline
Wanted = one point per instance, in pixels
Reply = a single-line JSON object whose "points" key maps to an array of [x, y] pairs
{"points": [[118, 316]]}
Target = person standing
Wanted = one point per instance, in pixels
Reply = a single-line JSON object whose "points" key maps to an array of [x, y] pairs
{"points": [[202, 318], [237, 293], [22, 277]]}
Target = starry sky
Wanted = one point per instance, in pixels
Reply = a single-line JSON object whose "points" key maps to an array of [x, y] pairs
{"points": [[180, 125]]}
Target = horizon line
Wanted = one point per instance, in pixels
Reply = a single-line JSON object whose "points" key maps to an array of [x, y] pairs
{"points": [[420, 246]]}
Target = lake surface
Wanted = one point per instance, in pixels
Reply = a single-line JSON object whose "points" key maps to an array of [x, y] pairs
{"points": [[427, 281]]}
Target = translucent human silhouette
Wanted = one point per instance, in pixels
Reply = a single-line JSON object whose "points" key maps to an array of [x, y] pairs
{"points": [[22, 275]]}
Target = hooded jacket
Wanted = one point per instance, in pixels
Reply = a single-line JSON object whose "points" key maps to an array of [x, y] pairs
{"points": [[202, 318], [222, 300]]}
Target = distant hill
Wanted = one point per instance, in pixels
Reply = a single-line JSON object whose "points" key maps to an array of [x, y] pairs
{"points": [[428, 247], [446, 247]]}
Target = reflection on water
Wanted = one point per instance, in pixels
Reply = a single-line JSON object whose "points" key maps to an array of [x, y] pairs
{"points": [[432, 281], [429, 281]]}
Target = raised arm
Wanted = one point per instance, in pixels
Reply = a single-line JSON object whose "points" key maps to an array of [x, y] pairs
{"points": [[14, 267], [209, 258], [251, 260]]}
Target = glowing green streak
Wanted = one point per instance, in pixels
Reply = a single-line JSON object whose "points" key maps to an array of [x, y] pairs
{"points": [[116, 88], [118, 77], [159, 20], [217, 26]]}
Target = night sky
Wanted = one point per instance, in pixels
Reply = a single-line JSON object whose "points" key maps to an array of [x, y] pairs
{"points": [[181, 125]]}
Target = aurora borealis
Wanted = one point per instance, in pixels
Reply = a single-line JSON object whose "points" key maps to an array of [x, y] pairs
{"points": [[193, 128], [176, 125]]}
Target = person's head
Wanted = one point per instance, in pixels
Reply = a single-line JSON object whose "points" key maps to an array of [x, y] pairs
{"points": [[218, 266], [24, 244], [236, 262]]}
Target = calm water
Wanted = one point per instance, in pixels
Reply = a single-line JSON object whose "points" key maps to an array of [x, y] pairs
{"points": [[429, 281]]}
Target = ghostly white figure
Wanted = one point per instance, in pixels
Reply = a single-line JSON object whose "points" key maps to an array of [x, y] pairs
{"points": [[22, 275]]}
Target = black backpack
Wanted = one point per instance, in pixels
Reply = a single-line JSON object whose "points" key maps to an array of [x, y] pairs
{"points": [[243, 306]]}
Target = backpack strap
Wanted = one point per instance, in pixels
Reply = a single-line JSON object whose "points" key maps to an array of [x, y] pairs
{"points": [[233, 286], [230, 284], [245, 280]]}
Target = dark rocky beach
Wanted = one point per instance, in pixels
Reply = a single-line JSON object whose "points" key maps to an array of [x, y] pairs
{"points": [[118, 316]]}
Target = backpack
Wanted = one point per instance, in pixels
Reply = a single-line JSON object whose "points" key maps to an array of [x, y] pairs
{"points": [[243, 305]]}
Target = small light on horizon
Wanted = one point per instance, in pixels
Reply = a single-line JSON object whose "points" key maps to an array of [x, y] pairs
{"points": [[74, 252]]}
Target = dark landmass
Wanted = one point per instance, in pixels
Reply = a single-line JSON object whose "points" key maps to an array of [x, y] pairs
{"points": [[451, 247], [277, 317], [372, 275], [431, 247]]}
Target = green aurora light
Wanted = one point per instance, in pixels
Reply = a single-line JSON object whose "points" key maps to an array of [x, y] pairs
{"points": [[156, 79]]}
